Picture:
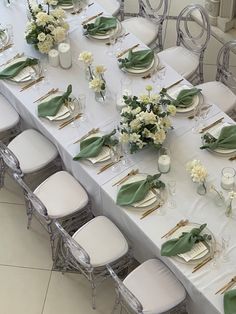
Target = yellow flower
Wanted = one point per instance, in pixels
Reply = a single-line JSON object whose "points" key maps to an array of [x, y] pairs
{"points": [[86, 57]]}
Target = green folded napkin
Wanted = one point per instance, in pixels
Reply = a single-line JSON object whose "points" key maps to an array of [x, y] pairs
{"points": [[135, 192], [137, 59], [92, 146], [230, 302], [52, 106], [64, 2], [184, 243], [226, 140], [185, 97], [14, 69], [101, 25]]}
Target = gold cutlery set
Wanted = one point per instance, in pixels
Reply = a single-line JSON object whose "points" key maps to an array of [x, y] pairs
{"points": [[130, 174], [93, 131], [211, 125], [227, 286], [108, 165], [32, 83], [69, 121], [50, 92], [91, 18], [180, 224], [6, 47]]}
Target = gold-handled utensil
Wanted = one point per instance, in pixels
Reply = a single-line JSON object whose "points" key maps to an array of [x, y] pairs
{"points": [[94, 130], [211, 125], [130, 174], [110, 164], [18, 55], [65, 123], [180, 224], [126, 50], [149, 211], [32, 83], [174, 84], [50, 92], [227, 286], [6, 47], [203, 263], [91, 18]]}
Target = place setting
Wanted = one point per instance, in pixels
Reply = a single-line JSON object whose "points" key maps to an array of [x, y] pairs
{"points": [[21, 69], [58, 106], [101, 27], [220, 138], [140, 192], [190, 243], [141, 62]]}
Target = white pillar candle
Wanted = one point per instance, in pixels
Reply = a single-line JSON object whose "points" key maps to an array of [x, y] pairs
{"points": [[227, 181], [65, 55], [164, 163], [53, 57]]}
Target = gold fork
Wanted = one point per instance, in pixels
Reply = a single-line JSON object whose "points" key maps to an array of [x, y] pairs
{"points": [[122, 180], [226, 287], [181, 223]]}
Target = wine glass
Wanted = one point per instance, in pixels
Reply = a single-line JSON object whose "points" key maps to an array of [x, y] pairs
{"points": [[82, 106], [171, 185], [115, 155], [225, 241], [111, 46]]}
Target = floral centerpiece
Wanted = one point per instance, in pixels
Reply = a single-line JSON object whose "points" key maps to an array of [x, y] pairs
{"points": [[95, 75], [46, 27], [198, 174], [145, 120]]}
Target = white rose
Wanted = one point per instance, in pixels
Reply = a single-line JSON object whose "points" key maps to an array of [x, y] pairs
{"points": [[43, 18], [134, 137], [41, 37], [51, 2], [45, 46], [124, 138], [58, 13], [59, 34], [135, 125], [171, 109], [159, 136]]}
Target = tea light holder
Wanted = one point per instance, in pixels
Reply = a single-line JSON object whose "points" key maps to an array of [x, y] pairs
{"points": [[228, 178], [164, 160]]}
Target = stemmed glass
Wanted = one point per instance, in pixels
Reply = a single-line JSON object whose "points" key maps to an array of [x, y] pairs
{"points": [[84, 6], [171, 185], [82, 106], [111, 46], [225, 241], [115, 155]]}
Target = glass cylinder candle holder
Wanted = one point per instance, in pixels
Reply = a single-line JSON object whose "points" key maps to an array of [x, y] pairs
{"points": [[228, 178], [164, 161]]}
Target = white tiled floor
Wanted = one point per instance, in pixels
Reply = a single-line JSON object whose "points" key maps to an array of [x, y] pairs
{"points": [[27, 285]]}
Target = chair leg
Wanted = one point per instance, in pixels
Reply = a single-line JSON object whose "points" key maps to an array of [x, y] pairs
{"points": [[117, 303], [93, 286], [52, 240], [2, 173]]}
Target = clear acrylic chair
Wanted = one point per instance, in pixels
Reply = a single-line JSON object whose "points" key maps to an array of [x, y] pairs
{"points": [[147, 24], [149, 288], [91, 247], [59, 198], [222, 91], [192, 39], [9, 121], [31, 154]]}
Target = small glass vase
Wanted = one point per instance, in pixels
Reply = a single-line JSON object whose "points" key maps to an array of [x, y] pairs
{"points": [[8, 3], [229, 209], [100, 96], [88, 72], [201, 188]]}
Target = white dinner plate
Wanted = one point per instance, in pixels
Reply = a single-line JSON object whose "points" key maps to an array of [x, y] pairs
{"points": [[210, 245], [215, 131], [149, 200], [65, 111], [24, 75], [173, 92], [110, 33]]}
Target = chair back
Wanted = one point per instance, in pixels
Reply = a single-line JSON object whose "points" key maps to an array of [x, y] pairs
{"points": [[76, 250], [31, 197], [10, 159], [188, 35], [156, 11], [223, 73], [125, 293]]}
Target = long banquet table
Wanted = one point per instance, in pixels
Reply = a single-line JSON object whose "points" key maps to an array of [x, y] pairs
{"points": [[144, 235]]}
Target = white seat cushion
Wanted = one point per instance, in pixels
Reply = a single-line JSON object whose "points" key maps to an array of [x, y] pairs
{"points": [[155, 286], [111, 6], [219, 94], [102, 240], [142, 28], [61, 194], [8, 116], [33, 150], [181, 60]]}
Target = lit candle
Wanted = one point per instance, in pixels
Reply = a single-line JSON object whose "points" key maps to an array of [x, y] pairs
{"points": [[65, 55], [53, 57], [164, 163]]}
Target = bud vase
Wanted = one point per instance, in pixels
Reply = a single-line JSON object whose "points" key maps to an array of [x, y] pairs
{"points": [[201, 188], [100, 96], [229, 209]]}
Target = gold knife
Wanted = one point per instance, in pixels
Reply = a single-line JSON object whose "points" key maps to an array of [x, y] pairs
{"points": [[6, 47], [86, 135], [203, 263], [126, 50], [91, 18], [62, 125], [149, 211], [211, 125], [50, 92], [32, 83], [110, 164], [122, 180], [18, 55], [176, 83], [181, 223]]}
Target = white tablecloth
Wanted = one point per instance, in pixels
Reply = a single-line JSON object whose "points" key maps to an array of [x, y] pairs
{"points": [[144, 235]]}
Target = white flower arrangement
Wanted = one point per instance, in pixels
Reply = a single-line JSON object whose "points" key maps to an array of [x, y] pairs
{"points": [[145, 120], [46, 28], [197, 171], [95, 73]]}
